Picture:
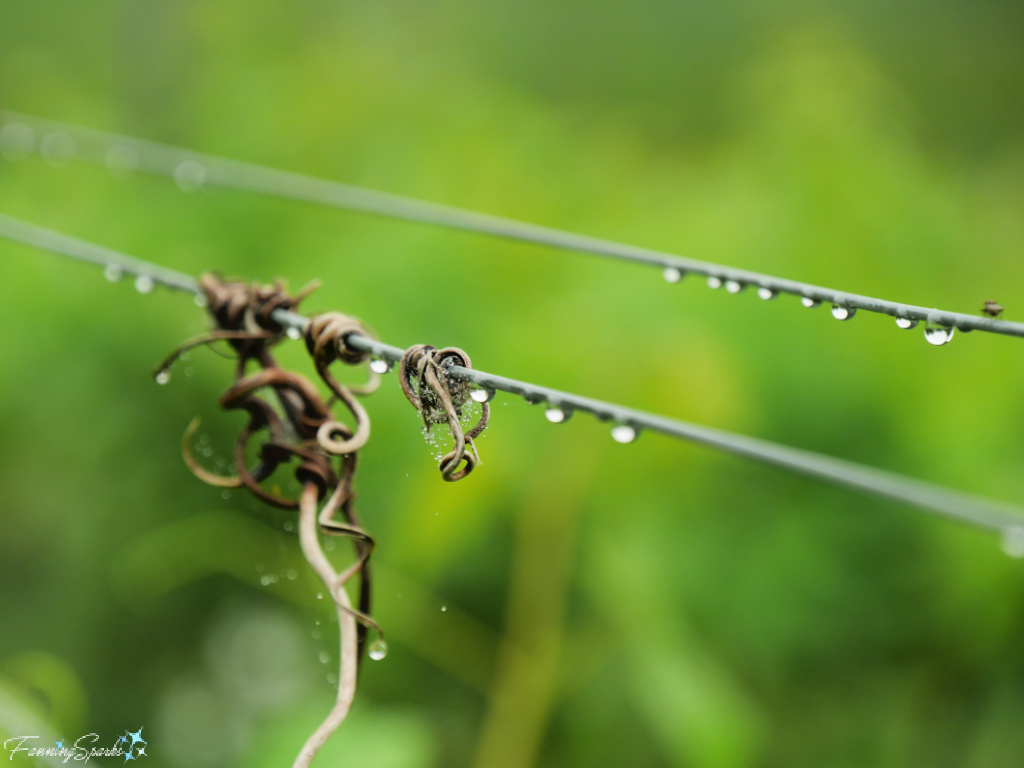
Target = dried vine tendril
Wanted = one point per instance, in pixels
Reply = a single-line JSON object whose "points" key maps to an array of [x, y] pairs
{"points": [[297, 426], [423, 374]]}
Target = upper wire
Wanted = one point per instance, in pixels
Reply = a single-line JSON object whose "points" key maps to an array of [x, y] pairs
{"points": [[966, 508], [61, 142]]}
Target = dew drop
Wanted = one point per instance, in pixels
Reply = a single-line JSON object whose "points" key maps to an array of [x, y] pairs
{"points": [[113, 272], [444, 608], [623, 433], [378, 649], [189, 175], [289, 526], [482, 394], [16, 140], [380, 365], [144, 284], [225, 495], [672, 275], [839, 312], [291, 574], [58, 148], [122, 160], [714, 282], [906, 323], [1013, 541], [766, 293], [324, 657], [294, 333], [332, 679], [162, 377], [810, 303], [938, 335], [734, 286], [319, 595], [555, 415]]}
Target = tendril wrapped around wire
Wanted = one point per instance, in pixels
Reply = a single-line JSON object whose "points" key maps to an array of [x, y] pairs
{"points": [[299, 427], [423, 374]]}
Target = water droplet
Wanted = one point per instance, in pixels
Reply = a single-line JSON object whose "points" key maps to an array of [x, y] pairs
{"points": [[113, 272], [444, 608], [481, 394], [291, 574], [189, 175], [555, 415], [734, 286], [906, 323], [714, 282], [294, 333], [378, 649], [1013, 541], [839, 312], [16, 140], [672, 275], [324, 657], [267, 580], [289, 526], [162, 377], [58, 148], [332, 679], [938, 334], [810, 303], [766, 293], [380, 365], [225, 495], [122, 160], [143, 283], [319, 595], [623, 433]]}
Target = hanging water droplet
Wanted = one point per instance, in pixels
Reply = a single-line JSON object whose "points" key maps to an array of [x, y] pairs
{"points": [[16, 140], [143, 283], [122, 160], [380, 365], [324, 657], [1013, 541], [623, 433], [162, 377], [319, 595], [734, 286], [58, 148], [113, 272], [672, 275], [810, 303], [378, 649], [906, 323], [189, 175], [839, 312], [481, 394], [444, 608], [293, 333], [714, 282], [938, 334], [766, 293], [555, 415]]}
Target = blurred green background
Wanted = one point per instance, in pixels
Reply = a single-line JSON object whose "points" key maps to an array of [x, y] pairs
{"points": [[575, 602]]}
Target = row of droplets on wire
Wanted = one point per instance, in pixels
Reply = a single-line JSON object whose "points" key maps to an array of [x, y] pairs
{"points": [[933, 333], [58, 148]]}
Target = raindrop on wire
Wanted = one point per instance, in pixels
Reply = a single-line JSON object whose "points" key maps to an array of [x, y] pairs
{"points": [[765, 293], [714, 282], [839, 312], [734, 286], [937, 335], [482, 394], [809, 302], [144, 284], [162, 377], [378, 649], [1013, 541], [113, 272], [293, 333], [380, 365], [672, 275], [623, 433], [555, 415], [906, 323]]}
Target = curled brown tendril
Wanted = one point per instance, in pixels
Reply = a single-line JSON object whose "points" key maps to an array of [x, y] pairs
{"points": [[423, 374], [298, 427]]}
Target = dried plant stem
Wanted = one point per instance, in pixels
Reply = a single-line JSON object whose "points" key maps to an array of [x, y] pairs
{"points": [[335, 585]]}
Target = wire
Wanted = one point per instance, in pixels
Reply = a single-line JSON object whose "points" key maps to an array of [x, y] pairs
{"points": [[977, 511], [62, 142]]}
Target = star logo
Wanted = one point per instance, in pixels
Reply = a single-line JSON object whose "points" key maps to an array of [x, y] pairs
{"points": [[60, 744], [130, 753]]}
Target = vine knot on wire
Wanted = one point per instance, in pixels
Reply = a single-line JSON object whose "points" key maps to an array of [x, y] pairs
{"points": [[427, 384]]}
